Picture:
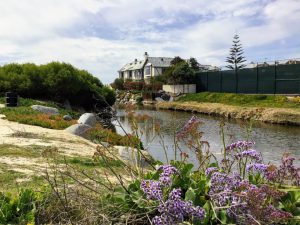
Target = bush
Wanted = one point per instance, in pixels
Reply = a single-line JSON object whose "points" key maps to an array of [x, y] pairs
{"points": [[54, 81], [18, 209], [105, 135], [134, 85]]}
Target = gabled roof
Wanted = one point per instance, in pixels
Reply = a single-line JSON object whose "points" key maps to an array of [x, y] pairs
{"points": [[135, 65], [159, 61]]}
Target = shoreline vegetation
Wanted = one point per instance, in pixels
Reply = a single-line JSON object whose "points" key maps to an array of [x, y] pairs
{"points": [[264, 108]]}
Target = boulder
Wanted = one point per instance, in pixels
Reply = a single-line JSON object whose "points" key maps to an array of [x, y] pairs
{"points": [[67, 117], [88, 119], [45, 109], [165, 97], [78, 129], [158, 99]]}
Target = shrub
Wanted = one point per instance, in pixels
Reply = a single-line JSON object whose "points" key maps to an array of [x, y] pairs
{"points": [[54, 81], [105, 135], [18, 209]]}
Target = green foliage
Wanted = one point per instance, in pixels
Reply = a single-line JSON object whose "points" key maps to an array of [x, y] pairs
{"points": [[118, 84], [56, 82], [106, 135], [18, 209], [182, 74], [194, 64], [241, 99], [177, 60], [236, 58]]}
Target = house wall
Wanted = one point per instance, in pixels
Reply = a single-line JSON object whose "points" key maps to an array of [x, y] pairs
{"points": [[180, 88]]}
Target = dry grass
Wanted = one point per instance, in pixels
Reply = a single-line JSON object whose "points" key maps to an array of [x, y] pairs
{"points": [[269, 115]]}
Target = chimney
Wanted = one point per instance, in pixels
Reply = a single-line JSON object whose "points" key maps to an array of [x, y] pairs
{"points": [[135, 61], [146, 55]]}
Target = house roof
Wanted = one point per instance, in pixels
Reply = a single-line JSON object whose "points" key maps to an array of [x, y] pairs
{"points": [[135, 65], [159, 61]]}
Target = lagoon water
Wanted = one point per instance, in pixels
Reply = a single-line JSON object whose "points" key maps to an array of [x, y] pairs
{"points": [[271, 140]]}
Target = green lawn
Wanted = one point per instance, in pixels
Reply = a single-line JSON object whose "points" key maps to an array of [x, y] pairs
{"points": [[258, 100]]}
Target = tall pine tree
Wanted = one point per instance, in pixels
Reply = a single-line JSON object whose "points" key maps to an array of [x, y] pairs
{"points": [[236, 58]]}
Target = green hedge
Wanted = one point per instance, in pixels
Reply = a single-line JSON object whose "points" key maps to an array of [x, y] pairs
{"points": [[57, 82]]}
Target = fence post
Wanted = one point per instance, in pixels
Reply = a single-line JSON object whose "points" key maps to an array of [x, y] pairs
{"points": [[236, 80], [221, 81], [275, 78], [206, 81], [256, 78]]}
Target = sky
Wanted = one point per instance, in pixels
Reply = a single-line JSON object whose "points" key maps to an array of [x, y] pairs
{"points": [[101, 36]]}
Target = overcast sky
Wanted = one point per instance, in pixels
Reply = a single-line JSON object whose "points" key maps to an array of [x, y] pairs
{"points": [[102, 35]]}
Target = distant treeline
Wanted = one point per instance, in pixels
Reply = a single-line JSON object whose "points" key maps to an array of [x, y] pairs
{"points": [[55, 81]]}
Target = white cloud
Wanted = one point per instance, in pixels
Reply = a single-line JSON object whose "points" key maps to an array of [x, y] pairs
{"points": [[41, 31]]}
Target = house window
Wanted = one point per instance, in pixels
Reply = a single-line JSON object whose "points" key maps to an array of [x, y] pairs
{"points": [[147, 72], [130, 74]]}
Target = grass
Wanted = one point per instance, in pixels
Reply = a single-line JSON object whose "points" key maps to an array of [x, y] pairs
{"points": [[26, 152], [24, 114], [255, 100]]}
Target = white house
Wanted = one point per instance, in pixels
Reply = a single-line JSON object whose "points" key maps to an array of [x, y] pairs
{"points": [[145, 69]]}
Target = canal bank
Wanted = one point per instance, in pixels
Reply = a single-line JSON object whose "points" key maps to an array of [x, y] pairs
{"points": [[268, 115]]}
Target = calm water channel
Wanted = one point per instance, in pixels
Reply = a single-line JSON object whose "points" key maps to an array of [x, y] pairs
{"points": [[271, 140]]}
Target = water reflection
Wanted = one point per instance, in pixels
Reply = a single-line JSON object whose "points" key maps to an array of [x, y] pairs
{"points": [[271, 140]]}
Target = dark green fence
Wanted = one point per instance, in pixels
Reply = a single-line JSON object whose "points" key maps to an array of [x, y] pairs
{"points": [[272, 79]]}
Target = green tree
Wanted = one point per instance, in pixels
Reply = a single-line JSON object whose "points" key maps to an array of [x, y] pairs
{"points": [[118, 84], [177, 60], [194, 64], [182, 74], [236, 58]]}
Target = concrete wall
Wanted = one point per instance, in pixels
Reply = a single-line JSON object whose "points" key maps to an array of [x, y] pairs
{"points": [[180, 88]]}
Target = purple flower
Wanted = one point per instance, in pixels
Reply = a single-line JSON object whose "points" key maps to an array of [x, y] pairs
{"points": [[152, 189], [191, 123], [174, 210], [257, 167], [252, 154], [167, 170], [240, 145], [210, 170]]}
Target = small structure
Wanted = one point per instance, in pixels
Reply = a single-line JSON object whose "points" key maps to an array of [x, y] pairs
{"points": [[180, 88]]}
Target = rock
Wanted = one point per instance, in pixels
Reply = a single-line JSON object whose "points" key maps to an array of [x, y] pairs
{"points": [[165, 97], [88, 119], [158, 99], [78, 129], [2, 116], [67, 117], [45, 109]]}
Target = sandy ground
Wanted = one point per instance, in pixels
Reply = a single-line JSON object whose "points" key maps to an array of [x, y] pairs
{"points": [[26, 135], [16, 134]]}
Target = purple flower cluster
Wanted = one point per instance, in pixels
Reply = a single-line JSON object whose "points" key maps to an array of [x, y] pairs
{"points": [[251, 153], [287, 171], [210, 170], [257, 168], [192, 123], [174, 210], [222, 187], [240, 145], [152, 189], [167, 171]]}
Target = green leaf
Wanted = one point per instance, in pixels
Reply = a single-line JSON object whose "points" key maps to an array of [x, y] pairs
{"points": [[190, 195]]}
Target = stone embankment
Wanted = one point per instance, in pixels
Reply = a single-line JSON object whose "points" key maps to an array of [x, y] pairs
{"points": [[268, 115]]}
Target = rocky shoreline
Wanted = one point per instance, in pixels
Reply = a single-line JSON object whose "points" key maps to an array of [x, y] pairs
{"points": [[269, 115]]}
